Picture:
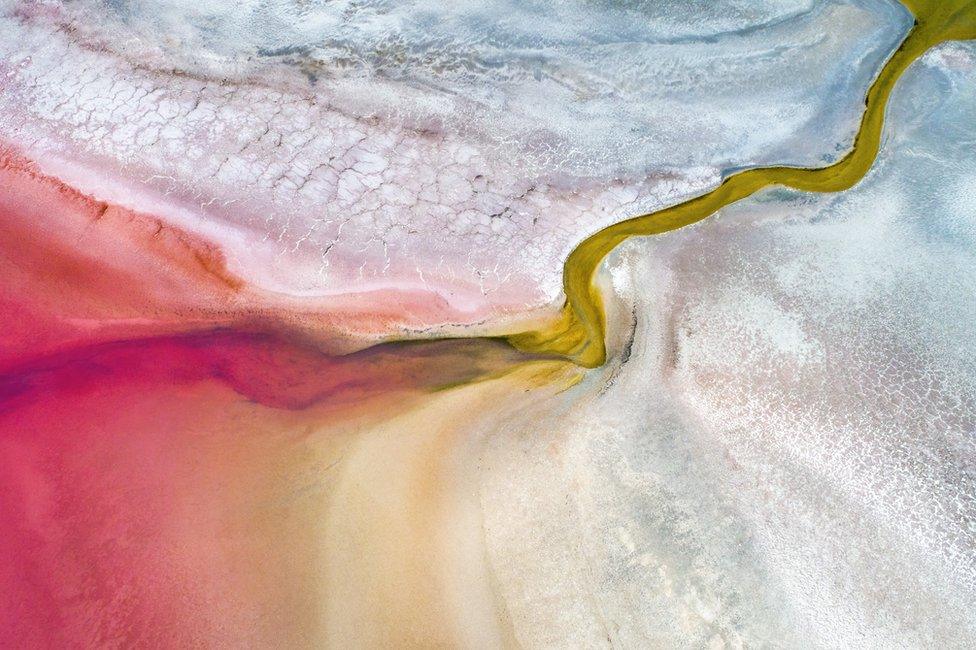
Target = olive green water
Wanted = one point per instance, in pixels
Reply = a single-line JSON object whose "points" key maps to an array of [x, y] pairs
{"points": [[579, 333]]}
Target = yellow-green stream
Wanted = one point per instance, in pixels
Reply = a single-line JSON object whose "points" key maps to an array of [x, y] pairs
{"points": [[580, 330]]}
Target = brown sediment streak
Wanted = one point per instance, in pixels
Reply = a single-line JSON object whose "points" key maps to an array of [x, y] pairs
{"points": [[181, 250], [579, 332]]}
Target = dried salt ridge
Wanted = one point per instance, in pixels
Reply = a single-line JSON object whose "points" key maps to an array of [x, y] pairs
{"points": [[456, 156]]}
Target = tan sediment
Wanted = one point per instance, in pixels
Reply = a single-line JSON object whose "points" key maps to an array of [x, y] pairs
{"points": [[403, 543]]}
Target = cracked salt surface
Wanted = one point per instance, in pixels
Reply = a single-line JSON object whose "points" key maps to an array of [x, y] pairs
{"points": [[350, 147]]}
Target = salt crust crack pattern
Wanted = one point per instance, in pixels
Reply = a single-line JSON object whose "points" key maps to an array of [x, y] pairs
{"points": [[319, 176]]}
